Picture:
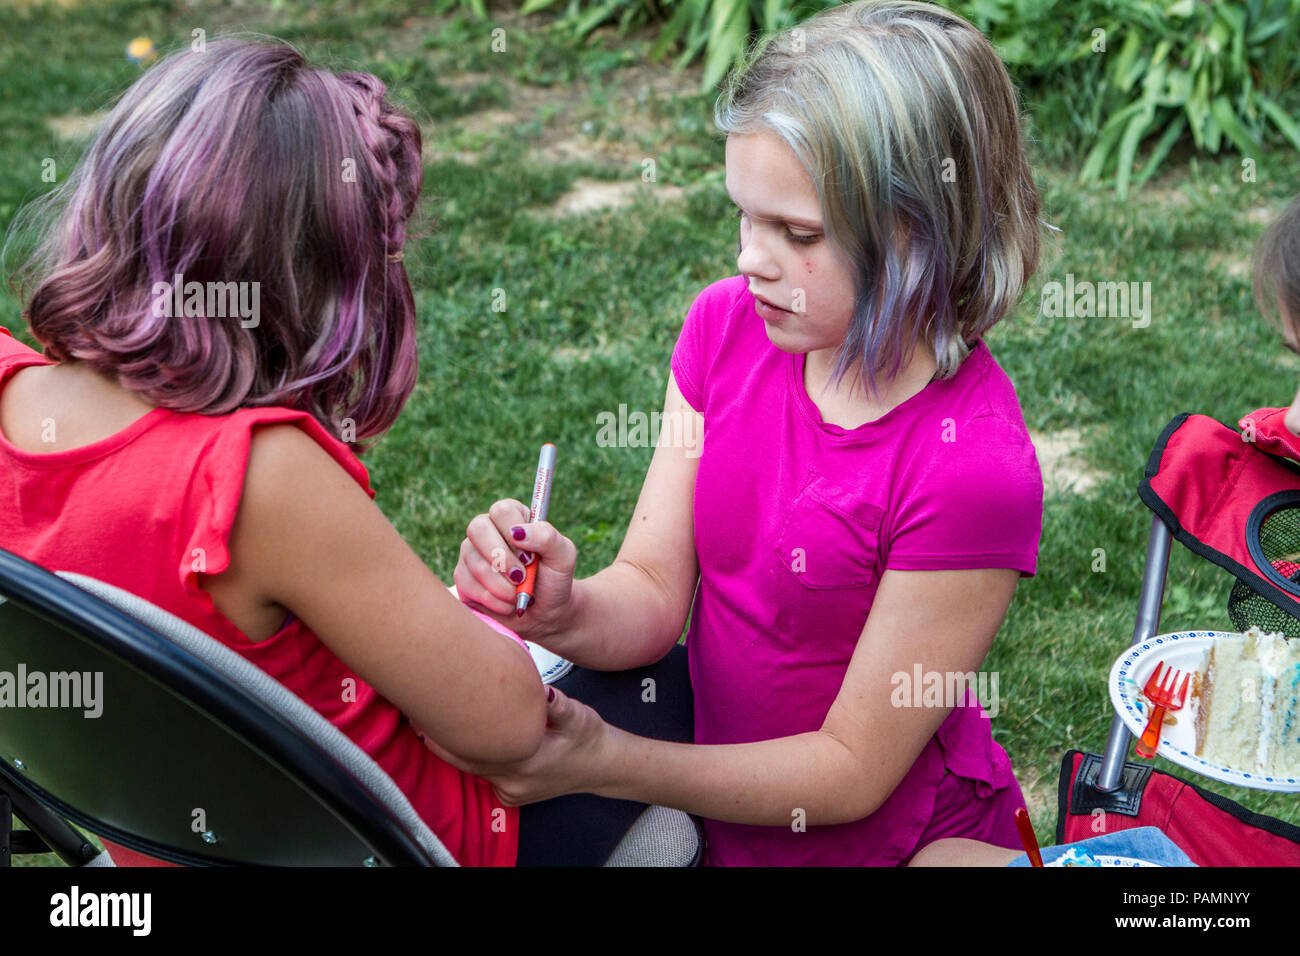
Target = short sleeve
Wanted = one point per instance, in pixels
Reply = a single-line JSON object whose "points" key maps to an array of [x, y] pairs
{"points": [[705, 321], [976, 503], [219, 486], [686, 359], [13, 350]]}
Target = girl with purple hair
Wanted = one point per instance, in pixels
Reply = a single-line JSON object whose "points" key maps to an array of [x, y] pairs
{"points": [[225, 315], [847, 539]]}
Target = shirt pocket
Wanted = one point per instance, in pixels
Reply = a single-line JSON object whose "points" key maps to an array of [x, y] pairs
{"points": [[831, 537]]}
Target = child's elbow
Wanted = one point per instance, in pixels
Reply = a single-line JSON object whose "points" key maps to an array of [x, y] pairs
{"points": [[510, 727], [519, 736], [530, 727], [849, 801], [864, 804], [855, 789]]}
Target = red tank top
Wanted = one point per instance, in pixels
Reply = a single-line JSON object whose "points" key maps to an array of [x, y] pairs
{"points": [[151, 507]]}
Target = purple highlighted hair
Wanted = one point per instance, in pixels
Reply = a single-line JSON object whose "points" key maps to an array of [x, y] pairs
{"points": [[241, 163], [908, 126]]}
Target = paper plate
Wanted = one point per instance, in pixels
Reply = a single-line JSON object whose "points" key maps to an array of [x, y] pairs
{"points": [[550, 666], [1186, 651], [1106, 860]]}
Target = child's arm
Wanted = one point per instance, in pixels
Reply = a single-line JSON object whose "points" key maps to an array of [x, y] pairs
{"points": [[631, 613], [309, 538], [956, 851], [944, 621]]}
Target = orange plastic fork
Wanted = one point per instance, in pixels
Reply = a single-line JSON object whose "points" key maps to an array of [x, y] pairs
{"points": [[1160, 692]]}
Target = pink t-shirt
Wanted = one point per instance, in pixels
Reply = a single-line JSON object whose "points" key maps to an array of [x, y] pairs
{"points": [[796, 520]]}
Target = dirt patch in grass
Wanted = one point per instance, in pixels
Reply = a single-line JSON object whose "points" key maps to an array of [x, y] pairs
{"points": [[76, 126], [1040, 798], [1161, 196], [1060, 456], [616, 120], [617, 124], [591, 195], [1233, 266], [1262, 214]]}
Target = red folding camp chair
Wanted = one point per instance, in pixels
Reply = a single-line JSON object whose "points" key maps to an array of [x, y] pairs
{"points": [[1233, 498]]}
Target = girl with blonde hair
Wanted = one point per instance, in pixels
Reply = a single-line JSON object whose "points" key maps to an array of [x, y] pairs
{"points": [[848, 539]]}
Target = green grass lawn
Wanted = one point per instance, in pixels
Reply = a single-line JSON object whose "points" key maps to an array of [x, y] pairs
{"points": [[594, 302]]}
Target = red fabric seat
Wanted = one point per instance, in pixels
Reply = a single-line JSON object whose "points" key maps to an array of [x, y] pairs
{"points": [[1212, 830]]}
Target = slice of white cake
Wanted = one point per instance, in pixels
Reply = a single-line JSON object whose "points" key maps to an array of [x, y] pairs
{"points": [[1247, 701]]}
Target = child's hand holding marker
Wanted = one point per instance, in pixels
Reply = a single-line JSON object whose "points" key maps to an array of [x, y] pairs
{"points": [[541, 503], [512, 559]]}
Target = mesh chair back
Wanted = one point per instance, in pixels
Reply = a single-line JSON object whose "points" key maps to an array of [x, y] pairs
{"points": [[1234, 499]]}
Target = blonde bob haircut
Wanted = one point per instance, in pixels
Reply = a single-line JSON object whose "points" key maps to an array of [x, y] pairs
{"points": [[908, 125]]}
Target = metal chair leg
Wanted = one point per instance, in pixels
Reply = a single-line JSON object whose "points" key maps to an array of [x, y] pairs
{"points": [[1148, 623], [48, 832]]}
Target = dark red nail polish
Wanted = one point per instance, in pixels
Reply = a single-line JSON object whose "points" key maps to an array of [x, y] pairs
{"points": [[517, 575], [550, 693], [519, 533]]}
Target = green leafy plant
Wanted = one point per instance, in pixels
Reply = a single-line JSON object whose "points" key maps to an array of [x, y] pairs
{"points": [[1035, 38], [718, 30], [1112, 77], [1193, 66], [722, 29]]}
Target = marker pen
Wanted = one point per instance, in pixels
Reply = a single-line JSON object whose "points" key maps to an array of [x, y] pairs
{"points": [[537, 512]]}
